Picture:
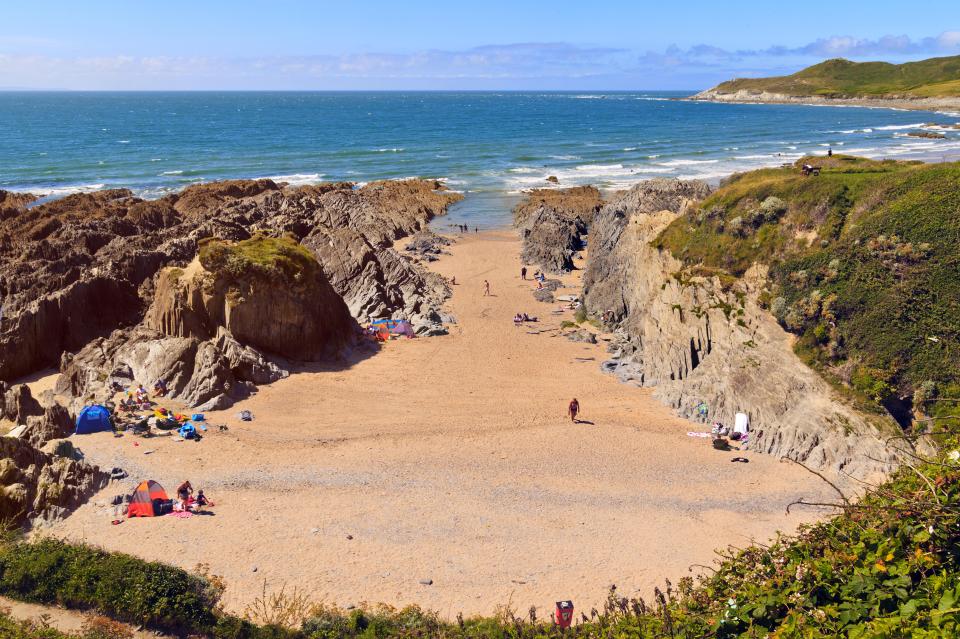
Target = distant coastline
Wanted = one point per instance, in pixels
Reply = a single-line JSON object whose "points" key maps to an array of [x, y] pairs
{"points": [[764, 97]]}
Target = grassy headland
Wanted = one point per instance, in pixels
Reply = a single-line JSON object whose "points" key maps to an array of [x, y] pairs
{"points": [[864, 265], [839, 78]]}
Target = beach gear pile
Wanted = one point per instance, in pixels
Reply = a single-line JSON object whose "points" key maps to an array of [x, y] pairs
{"points": [[385, 329]]}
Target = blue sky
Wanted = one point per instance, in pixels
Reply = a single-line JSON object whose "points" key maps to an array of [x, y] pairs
{"points": [[415, 44]]}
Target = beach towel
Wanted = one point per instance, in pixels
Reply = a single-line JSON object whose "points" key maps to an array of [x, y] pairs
{"points": [[699, 434], [181, 514], [741, 424]]}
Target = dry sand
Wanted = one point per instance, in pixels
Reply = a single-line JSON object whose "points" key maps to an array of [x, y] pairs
{"points": [[450, 459]]}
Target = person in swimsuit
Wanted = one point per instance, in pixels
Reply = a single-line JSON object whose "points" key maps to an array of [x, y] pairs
{"points": [[573, 410]]}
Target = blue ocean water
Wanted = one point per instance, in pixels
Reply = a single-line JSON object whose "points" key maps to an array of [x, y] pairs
{"points": [[491, 146]]}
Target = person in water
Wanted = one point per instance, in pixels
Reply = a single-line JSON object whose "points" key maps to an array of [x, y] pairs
{"points": [[573, 410]]}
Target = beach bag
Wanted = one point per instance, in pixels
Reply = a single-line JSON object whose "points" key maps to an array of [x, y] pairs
{"points": [[187, 431], [197, 417]]}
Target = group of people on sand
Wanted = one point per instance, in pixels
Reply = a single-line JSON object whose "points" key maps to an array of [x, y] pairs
{"points": [[538, 275], [463, 228], [520, 318], [187, 502]]}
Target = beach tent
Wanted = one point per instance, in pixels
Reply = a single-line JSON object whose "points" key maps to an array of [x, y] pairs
{"points": [[143, 497], [93, 419]]}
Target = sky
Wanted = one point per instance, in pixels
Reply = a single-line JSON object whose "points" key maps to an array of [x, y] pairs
{"points": [[422, 45]]}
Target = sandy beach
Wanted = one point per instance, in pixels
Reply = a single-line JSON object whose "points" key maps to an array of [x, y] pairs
{"points": [[450, 460]]}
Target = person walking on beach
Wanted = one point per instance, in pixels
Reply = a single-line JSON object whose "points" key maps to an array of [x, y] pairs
{"points": [[573, 410], [486, 288], [523, 272]]}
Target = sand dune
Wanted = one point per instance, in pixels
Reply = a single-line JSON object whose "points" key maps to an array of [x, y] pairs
{"points": [[450, 459]]}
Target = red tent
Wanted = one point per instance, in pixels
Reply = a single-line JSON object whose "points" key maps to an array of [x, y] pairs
{"points": [[141, 501]]}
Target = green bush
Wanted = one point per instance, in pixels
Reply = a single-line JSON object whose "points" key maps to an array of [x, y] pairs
{"points": [[50, 571]]}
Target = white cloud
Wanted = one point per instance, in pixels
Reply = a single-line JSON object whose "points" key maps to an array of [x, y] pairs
{"points": [[516, 65]]}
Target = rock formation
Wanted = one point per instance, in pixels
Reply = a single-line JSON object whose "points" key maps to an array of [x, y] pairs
{"points": [[37, 485], [267, 293], [707, 347], [78, 275], [553, 223]]}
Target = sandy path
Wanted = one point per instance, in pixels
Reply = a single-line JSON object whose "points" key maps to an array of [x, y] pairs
{"points": [[450, 459]]}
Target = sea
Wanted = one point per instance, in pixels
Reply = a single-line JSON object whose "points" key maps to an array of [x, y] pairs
{"points": [[491, 146]]}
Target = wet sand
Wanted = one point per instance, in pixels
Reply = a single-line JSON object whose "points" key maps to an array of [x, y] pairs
{"points": [[451, 459]]}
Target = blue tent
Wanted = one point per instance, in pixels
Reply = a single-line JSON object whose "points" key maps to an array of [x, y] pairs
{"points": [[93, 419]]}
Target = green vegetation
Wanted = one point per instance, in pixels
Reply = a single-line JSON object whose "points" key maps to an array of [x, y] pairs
{"points": [[272, 257], [933, 78], [864, 265], [127, 588], [884, 567]]}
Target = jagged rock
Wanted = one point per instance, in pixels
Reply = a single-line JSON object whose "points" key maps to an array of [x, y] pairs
{"points": [[75, 269], [704, 346], [543, 295], [61, 448], [429, 330], [553, 223], [280, 304], [38, 486], [54, 423], [582, 335], [426, 244], [19, 404]]}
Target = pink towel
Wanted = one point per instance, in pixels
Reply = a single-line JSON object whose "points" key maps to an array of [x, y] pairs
{"points": [[181, 515]]}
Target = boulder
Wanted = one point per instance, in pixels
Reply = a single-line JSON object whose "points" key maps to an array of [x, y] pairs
{"points": [[35, 485], [55, 423], [268, 293], [19, 404], [582, 335], [553, 223]]}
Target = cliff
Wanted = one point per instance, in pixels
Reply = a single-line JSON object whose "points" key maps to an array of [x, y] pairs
{"points": [[707, 347]]}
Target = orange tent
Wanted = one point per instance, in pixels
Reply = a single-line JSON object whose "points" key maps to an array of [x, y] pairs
{"points": [[142, 499]]}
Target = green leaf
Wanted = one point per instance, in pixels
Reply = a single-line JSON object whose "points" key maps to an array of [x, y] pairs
{"points": [[948, 600], [908, 609]]}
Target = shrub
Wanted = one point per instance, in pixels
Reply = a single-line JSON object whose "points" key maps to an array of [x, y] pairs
{"points": [[50, 571]]}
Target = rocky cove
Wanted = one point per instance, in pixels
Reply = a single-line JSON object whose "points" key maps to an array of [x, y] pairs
{"points": [[216, 289], [700, 340]]}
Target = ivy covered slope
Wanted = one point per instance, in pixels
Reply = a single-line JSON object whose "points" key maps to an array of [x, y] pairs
{"points": [[864, 267], [839, 78]]}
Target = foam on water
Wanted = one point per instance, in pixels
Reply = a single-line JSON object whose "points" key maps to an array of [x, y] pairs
{"points": [[491, 146]]}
